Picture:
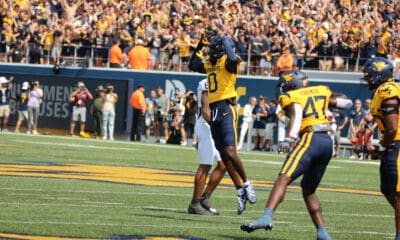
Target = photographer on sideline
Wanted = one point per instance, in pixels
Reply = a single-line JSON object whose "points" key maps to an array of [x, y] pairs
{"points": [[79, 99], [34, 101], [5, 97], [189, 117]]}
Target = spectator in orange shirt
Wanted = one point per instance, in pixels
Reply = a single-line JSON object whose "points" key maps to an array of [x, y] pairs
{"points": [[139, 56], [116, 54], [285, 61], [138, 102]]}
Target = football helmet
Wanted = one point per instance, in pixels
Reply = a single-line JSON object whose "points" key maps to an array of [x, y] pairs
{"points": [[292, 80], [377, 71], [215, 45]]}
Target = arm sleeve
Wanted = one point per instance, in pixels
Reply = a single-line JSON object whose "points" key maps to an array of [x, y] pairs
{"points": [[294, 132], [344, 103], [232, 61]]}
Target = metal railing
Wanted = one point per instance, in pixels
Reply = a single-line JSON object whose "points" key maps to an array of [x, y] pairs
{"points": [[89, 56]]}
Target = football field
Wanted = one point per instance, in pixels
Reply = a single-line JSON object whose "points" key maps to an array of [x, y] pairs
{"points": [[70, 188]]}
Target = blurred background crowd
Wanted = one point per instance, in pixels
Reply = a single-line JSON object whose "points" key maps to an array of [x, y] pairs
{"points": [[270, 36]]}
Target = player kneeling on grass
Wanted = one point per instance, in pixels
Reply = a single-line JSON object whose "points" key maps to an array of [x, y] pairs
{"points": [[207, 153], [309, 133]]}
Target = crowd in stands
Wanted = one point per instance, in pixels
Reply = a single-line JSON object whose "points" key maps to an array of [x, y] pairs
{"points": [[270, 36]]}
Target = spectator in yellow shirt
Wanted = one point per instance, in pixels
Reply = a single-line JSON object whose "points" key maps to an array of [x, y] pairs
{"points": [[184, 42]]}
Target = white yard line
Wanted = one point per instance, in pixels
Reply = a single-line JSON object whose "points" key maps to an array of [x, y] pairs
{"points": [[363, 162], [75, 145], [116, 142], [90, 204], [158, 226], [219, 195]]}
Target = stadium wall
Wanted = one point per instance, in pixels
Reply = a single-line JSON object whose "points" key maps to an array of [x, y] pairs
{"points": [[55, 110]]}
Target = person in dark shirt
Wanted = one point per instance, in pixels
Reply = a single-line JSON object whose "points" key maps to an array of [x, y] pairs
{"points": [[96, 110], [270, 126], [357, 116], [85, 48], [340, 120], [260, 113], [18, 52], [175, 130], [368, 49], [189, 118], [342, 51], [242, 46], [21, 100], [325, 53], [35, 54]]}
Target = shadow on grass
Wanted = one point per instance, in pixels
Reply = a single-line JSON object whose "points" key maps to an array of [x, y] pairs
{"points": [[249, 236], [186, 218], [132, 237], [165, 210]]}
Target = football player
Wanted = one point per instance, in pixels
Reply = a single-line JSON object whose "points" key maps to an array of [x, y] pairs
{"points": [[378, 73], [221, 66], [309, 132], [207, 153]]}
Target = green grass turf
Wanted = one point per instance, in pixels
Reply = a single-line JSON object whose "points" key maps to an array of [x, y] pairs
{"points": [[45, 206]]}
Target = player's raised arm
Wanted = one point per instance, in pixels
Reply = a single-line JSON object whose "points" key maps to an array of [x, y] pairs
{"points": [[196, 63], [232, 61]]}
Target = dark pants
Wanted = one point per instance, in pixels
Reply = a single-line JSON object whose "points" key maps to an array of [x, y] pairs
{"points": [[98, 122], [137, 124], [115, 65]]}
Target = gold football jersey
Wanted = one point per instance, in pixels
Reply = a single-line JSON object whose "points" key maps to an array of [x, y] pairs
{"points": [[314, 102], [221, 83], [385, 91]]}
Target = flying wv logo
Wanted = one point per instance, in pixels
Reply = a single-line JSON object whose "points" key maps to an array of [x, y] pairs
{"points": [[386, 90], [172, 87]]}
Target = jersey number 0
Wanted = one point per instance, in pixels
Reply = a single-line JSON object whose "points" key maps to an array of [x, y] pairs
{"points": [[212, 82]]}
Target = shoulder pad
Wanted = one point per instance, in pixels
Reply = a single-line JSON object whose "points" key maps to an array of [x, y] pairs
{"points": [[388, 90]]}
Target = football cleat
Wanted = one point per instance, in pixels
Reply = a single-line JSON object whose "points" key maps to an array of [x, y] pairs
{"points": [[198, 209], [242, 200], [322, 234], [250, 193], [206, 204], [265, 222]]}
